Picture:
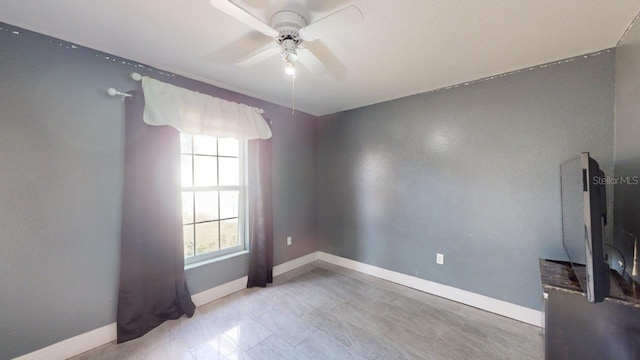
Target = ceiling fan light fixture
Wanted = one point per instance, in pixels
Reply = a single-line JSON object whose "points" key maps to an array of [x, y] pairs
{"points": [[289, 69], [289, 57], [289, 47]]}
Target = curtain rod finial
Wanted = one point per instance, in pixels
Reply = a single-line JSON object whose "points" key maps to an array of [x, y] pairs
{"points": [[114, 92]]}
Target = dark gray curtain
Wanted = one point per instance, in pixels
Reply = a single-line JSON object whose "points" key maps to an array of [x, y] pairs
{"points": [[152, 283], [260, 214]]}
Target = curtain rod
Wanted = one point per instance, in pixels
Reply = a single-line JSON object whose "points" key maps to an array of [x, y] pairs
{"points": [[137, 77], [123, 95], [113, 92]]}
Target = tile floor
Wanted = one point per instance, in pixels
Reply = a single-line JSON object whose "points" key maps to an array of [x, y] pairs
{"points": [[322, 311]]}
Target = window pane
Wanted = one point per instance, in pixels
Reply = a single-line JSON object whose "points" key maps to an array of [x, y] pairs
{"points": [[229, 147], [206, 170], [188, 240], [187, 207], [228, 204], [206, 237], [228, 233], [185, 143], [206, 205], [205, 145], [229, 171], [187, 175]]}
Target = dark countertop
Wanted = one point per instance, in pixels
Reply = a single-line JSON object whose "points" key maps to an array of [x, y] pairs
{"points": [[558, 275]]}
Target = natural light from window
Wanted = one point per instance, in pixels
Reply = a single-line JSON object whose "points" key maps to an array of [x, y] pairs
{"points": [[212, 196]]}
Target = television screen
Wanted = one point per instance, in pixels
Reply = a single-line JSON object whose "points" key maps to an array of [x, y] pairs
{"points": [[583, 221]]}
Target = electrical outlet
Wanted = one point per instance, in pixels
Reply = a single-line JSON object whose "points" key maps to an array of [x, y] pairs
{"points": [[439, 258], [289, 240]]}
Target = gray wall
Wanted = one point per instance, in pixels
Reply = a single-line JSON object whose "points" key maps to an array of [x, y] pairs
{"points": [[61, 163], [471, 172], [627, 146]]}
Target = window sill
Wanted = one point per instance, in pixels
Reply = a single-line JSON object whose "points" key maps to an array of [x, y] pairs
{"points": [[215, 259]]}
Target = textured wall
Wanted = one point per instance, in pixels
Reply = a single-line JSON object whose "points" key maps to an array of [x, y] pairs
{"points": [[627, 147], [61, 163], [471, 172]]}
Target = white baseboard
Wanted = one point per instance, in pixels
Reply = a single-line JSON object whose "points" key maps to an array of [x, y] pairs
{"points": [[75, 345], [106, 334], [295, 263], [220, 291], [483, 302]]}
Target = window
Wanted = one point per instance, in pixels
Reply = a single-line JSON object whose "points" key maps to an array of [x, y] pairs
{"points": [[213, 196]]}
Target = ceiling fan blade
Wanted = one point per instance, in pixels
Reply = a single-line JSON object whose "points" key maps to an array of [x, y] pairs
{"points": [[260, 56], [311, 62], [233, 10], [330, 23], [336, 68]]}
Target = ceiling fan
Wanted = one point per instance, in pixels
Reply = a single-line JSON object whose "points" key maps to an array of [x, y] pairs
{"points": [[289, 29]]}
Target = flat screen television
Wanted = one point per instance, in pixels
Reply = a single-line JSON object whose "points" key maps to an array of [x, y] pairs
{"points": [[584, 216]]}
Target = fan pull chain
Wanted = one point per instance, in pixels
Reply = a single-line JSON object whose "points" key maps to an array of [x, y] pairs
{"points": [[293, 92]]}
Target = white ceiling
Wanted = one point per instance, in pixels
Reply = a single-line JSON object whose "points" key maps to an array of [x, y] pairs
{"points": [[402, 47]]}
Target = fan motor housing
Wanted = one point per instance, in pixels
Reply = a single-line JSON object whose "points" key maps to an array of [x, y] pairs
{"points": [[288, 24]]}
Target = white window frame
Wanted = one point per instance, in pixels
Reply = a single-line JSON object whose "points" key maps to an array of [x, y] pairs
{"points": [[243, 208]]}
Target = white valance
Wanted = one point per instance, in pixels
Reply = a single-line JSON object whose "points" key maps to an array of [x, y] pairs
{"points": [[194, 113]]}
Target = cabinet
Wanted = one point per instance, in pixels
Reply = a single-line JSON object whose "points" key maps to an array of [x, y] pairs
{"points": [[577, 329]]}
